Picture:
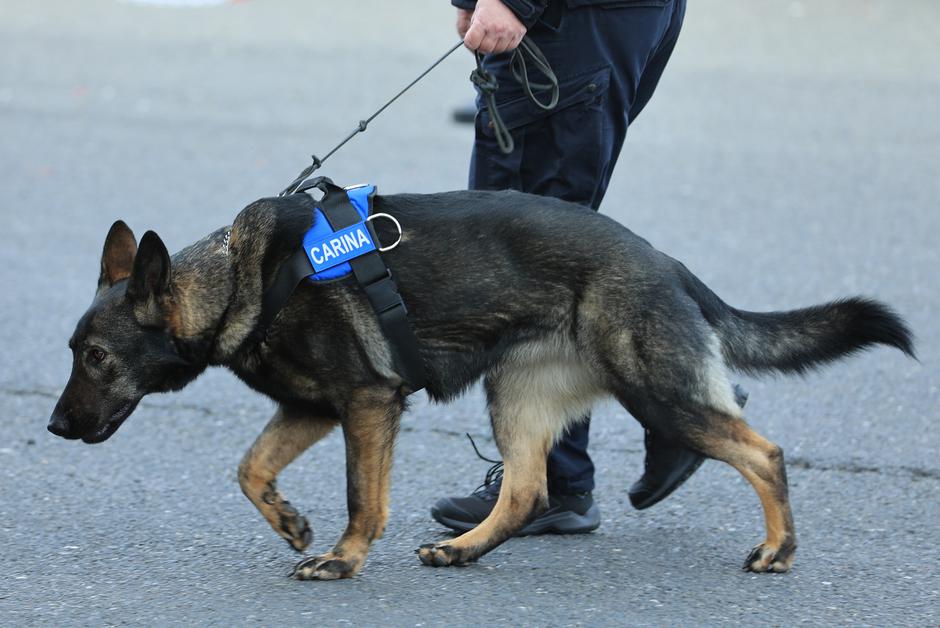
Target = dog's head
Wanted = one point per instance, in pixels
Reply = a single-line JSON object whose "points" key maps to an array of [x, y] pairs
{"points": [[122, 348]]}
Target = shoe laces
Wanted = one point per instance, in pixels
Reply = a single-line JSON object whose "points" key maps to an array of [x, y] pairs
{"points": [[494, 475]]}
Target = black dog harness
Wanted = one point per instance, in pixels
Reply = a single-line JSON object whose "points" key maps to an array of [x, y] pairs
{"points": [[346, 244], [349, 245]]}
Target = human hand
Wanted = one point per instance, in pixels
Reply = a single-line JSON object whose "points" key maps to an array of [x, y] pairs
{"points": [[493, 28], [463, 21]]}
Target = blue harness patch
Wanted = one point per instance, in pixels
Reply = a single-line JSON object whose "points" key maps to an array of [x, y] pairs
{"points": [[329, 251]]}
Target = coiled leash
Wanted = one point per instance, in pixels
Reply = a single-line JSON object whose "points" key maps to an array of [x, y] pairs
{"points": [[342, 240], [488, 85]]}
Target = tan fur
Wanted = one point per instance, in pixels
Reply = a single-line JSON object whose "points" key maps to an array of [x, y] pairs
{"points": [[718, 393], [761, 463], [523, 493], [369, 427], [186, 316], [286, 436], [534, 395], [176, 321], [373, 340], [549, 381]]}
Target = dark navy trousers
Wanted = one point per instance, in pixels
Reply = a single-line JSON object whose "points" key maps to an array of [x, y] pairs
{"points": [[608, 61]]}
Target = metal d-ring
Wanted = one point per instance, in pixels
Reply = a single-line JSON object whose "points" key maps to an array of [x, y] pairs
{"points": [[382, 249]]}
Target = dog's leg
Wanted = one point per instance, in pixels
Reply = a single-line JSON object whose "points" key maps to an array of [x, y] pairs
{"points": [[526, 417], [370, 428], [761, 463], [286, 436]]}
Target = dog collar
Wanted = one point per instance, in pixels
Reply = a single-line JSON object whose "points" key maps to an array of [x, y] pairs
{"points": [[225, 241]]}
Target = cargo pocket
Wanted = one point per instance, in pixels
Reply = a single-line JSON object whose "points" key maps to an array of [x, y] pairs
{"points": [[615, 4], [563, 153], [519, 110]]}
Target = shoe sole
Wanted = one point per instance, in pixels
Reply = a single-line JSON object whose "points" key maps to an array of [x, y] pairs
{"points": [[558, 523]]}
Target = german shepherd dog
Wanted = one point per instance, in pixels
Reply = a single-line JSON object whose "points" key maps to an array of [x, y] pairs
{"points": [[553, 305]]}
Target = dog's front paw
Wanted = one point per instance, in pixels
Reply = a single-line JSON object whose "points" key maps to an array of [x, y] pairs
{"points": [[328, 566], [441, 555], [294, 527], [766, 558]]}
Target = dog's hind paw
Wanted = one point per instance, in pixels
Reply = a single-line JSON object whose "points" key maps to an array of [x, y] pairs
{"points": [[326, 567], [766, 558], [440, 555]]}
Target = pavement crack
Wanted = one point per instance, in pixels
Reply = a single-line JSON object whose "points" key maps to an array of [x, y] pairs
{"points": [[174, 407], [857, 468], [917, 472], [27, 392], [444, 431]]}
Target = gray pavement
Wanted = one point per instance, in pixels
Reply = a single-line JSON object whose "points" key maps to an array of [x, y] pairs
{"points": [[791, 155]]}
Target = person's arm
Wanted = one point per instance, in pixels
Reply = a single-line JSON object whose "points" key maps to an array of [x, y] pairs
{"points": [[493, 26]]}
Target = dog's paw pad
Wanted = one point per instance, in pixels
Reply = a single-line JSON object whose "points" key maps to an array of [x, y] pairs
{"points": [[297, 532], [325, 567], [768, 559], [295, 528], [435, 555]]}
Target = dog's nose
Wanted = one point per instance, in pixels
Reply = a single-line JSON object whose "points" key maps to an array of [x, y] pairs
{"points": [[59, 425]]}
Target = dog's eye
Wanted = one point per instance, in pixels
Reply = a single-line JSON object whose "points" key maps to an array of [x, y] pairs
{"points": [[96, 355]]}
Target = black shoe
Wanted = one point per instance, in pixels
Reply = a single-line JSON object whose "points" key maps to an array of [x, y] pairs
{"points": [[566, 514], [465, 114], [667, 466]]}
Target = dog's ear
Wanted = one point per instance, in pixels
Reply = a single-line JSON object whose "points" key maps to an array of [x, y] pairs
{"points": [[117, 258], [150, 277]]}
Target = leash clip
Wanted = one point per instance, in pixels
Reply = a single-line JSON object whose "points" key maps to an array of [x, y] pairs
{"points": [[397, 224]]}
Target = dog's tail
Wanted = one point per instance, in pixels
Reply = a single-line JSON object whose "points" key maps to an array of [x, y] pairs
{"points": [[798, 340]]}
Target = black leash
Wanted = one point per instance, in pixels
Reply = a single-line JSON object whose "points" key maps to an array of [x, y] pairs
{"points": [[482, 79], [363, 124]]}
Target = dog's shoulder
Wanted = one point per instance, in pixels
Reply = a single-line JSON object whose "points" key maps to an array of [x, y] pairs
{"points": [[272, 219], [268, 230]]}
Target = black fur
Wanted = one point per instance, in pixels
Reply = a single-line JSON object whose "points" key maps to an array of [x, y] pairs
{"points": [[796, 341]]}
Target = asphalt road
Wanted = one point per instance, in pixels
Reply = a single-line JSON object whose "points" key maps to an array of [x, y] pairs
{"points": [[791, 155]]}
